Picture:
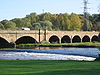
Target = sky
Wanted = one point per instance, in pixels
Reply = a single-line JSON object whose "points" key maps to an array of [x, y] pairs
{"points": [[10, 9]]}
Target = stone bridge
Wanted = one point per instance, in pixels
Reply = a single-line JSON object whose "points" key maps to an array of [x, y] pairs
{"points": [[20, 37]]}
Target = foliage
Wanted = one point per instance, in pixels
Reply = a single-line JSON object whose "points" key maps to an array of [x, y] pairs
{"points": [[75, 22], [2, 26], [98, 26], [50, 21], [46, 25], [33, 18], [8, 25], [36, 26]]}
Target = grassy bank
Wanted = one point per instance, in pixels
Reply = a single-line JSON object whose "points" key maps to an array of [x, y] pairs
{"points": [[87, 44], [48, 67]]}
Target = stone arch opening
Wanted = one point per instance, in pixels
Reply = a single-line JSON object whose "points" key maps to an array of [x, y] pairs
{"points": [[95, 38], [4, 43], [65, 39], [86, 39], [76, 39], [54, 39], [25, 40]]}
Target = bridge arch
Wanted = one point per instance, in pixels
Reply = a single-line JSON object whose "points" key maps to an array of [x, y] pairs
{"points": [[54, 39], [99, 37], [76, 39], [66, 39], [86, 39], [25, 40], [95, 38], [4, 43]]}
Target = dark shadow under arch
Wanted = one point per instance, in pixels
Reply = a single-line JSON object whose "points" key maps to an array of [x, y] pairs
{"points": [[86, 39], [76, 39], [4, 43], [25, 40], [54, 39], [99, 37], [95, 38], [65, 39]]}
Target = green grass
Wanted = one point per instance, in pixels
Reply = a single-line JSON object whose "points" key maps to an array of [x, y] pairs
{"points": [[84, 43], [48, 67], [95, 44]]}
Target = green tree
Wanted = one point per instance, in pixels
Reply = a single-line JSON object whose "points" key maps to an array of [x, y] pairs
{"points": [[9, 25], [87, 22], [64, 21], [44, 16], [4, 21], [2, 26], [46, 25], [26, 22], [36, 26], [53, 22], [18, 22], [75, 22], [33, 18], [98, 26], [22, 22]]}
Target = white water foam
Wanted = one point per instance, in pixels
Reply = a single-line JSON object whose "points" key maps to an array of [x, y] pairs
{"points": [[42, 56]]}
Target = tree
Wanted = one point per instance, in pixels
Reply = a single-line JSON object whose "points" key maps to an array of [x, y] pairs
{"points": [[87, 22], [18, 22], [95, 19], [36, 26], [33, 18], [4, 21], [54, 22], [2, 26], [44, 16], [46, 25], [60, 20], [9, 25], [98, 26], [75, 22], [24, 22], [64, 21]]}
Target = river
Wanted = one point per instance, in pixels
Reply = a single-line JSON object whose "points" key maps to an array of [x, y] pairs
{"points": [[51, 54]]}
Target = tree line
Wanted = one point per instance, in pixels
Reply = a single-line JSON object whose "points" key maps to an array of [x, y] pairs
{"points": [[64, 22]]}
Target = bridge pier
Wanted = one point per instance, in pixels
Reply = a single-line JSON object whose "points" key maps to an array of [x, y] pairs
{"points": [[71, 39], [45, 34]]}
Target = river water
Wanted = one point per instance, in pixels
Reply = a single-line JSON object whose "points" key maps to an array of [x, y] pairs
{"points": [[51, 54]]}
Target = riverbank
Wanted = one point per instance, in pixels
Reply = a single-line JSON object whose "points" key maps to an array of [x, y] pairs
{"points": [[79, 45], [48, 67]]}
